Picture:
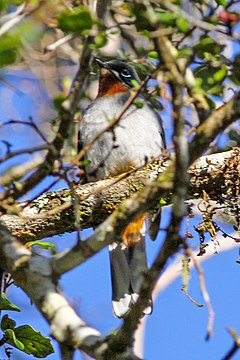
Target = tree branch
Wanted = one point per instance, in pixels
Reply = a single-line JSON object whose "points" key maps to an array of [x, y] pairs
{"points": [[98, 200], [215, 124], [34, 275]]}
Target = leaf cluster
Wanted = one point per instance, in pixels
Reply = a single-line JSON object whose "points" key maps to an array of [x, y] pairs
{"points": [[24, 337]]}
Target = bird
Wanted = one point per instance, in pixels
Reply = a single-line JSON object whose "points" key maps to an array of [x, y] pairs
{"points": [[136, 139]]}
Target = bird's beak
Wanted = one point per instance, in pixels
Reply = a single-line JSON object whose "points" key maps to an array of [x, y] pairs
{"points": [[104, 67], [100, 63]]}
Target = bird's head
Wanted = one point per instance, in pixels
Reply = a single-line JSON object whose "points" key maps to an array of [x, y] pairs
{"points": [[115, 77]]}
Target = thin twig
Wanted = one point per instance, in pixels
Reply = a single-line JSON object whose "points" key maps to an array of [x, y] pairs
{"points": [[211, 314], [59, 43], [235, 347], [32, 150]]}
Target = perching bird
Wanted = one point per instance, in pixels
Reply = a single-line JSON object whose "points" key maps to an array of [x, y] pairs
{"points": [[136, 137]]}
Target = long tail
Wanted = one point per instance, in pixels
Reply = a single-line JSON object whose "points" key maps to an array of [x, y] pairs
{"points": [[128, 263]]}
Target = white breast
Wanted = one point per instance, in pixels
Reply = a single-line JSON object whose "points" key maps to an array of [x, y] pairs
{"points": [[137, 137]]}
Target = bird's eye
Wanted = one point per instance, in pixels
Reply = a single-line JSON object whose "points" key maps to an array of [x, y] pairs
{"points": [[125, 73]]}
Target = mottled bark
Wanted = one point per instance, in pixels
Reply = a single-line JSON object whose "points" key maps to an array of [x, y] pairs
{"points": [[52, 213]]}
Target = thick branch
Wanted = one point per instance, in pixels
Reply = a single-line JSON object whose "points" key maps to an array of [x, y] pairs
{"points": [[34, 275], [101, 198]]}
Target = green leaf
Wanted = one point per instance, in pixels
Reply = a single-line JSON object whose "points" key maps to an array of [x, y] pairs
{"points": [[8, 49], [30, 341], [184, 53], [182, 24], [135, 84], [222, 2], [220, 74], [85, 162], [210, 78], [42, 244], [77, 20], [167, 18], [153, 55], [207, 45], [7, 304], [8, 57], [138, 103], [10, 42], [100, 40], [162, 202], [58, 100], [3, 5], [7, 323], [12, 340]]}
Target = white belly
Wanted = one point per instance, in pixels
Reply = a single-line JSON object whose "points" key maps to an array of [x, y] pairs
{"points": [[135, 140]]}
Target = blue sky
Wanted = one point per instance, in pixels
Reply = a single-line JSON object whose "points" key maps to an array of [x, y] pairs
{"points": [[177, 328]]}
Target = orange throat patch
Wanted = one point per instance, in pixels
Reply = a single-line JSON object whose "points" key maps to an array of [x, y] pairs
{"points": [[132, 233], [109, 85]]}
